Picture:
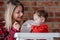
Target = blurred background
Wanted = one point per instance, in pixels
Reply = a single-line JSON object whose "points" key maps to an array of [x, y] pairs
{"points": [[51, 6]]}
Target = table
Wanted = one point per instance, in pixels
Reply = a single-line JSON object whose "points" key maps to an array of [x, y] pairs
{"points": [[35, 36]]}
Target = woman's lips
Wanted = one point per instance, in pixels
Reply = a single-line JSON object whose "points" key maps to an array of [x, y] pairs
{"points": [[19, 17]]}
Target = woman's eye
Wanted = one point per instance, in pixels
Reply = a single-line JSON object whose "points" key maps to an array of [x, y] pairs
{"points": [[18, 12]]}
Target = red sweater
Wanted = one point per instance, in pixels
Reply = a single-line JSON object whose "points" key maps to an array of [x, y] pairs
{"points": [[43, 28], [7, 35]]}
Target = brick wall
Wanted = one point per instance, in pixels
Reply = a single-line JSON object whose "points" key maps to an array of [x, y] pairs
{"points": [[1, 8], [51, 6]]}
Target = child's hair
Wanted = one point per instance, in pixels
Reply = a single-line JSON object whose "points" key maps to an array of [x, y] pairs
{"points": [[42, 13], [10, 7]]}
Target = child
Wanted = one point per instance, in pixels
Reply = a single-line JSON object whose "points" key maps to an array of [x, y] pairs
{"points": [[13, 18], [39, 17], [37, 25]]}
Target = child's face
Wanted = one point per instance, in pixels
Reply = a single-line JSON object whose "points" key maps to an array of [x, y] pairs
{"points": [[38, 19], [17, 14]]}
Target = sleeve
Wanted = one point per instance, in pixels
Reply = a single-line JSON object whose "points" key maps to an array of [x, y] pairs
{"points": [[10, 36], [3, 33]]}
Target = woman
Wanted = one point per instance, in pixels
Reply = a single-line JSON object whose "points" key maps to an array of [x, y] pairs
{"points": [[13, 18]]}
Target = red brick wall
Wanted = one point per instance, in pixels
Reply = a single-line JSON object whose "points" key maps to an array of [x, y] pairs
{"points": [[1, 8], [51, 6]]}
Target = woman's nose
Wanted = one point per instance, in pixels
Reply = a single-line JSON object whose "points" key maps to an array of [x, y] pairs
{"points": [[21, 14]]}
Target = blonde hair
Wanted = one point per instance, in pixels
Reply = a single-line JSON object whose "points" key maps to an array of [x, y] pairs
{"points": [[8, 16], [11, 5]]}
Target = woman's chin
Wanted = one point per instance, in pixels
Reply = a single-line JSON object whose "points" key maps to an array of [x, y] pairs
{"points": [[18, 20]]}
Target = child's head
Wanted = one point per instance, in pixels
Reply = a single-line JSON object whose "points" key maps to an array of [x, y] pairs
{"points": [[14, 12], [40, 16]]}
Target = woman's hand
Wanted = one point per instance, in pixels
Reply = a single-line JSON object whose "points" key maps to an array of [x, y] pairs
{"points": [[16, 25]]}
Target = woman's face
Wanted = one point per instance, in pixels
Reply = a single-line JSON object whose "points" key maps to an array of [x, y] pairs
{"points": [[17, 14]]}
